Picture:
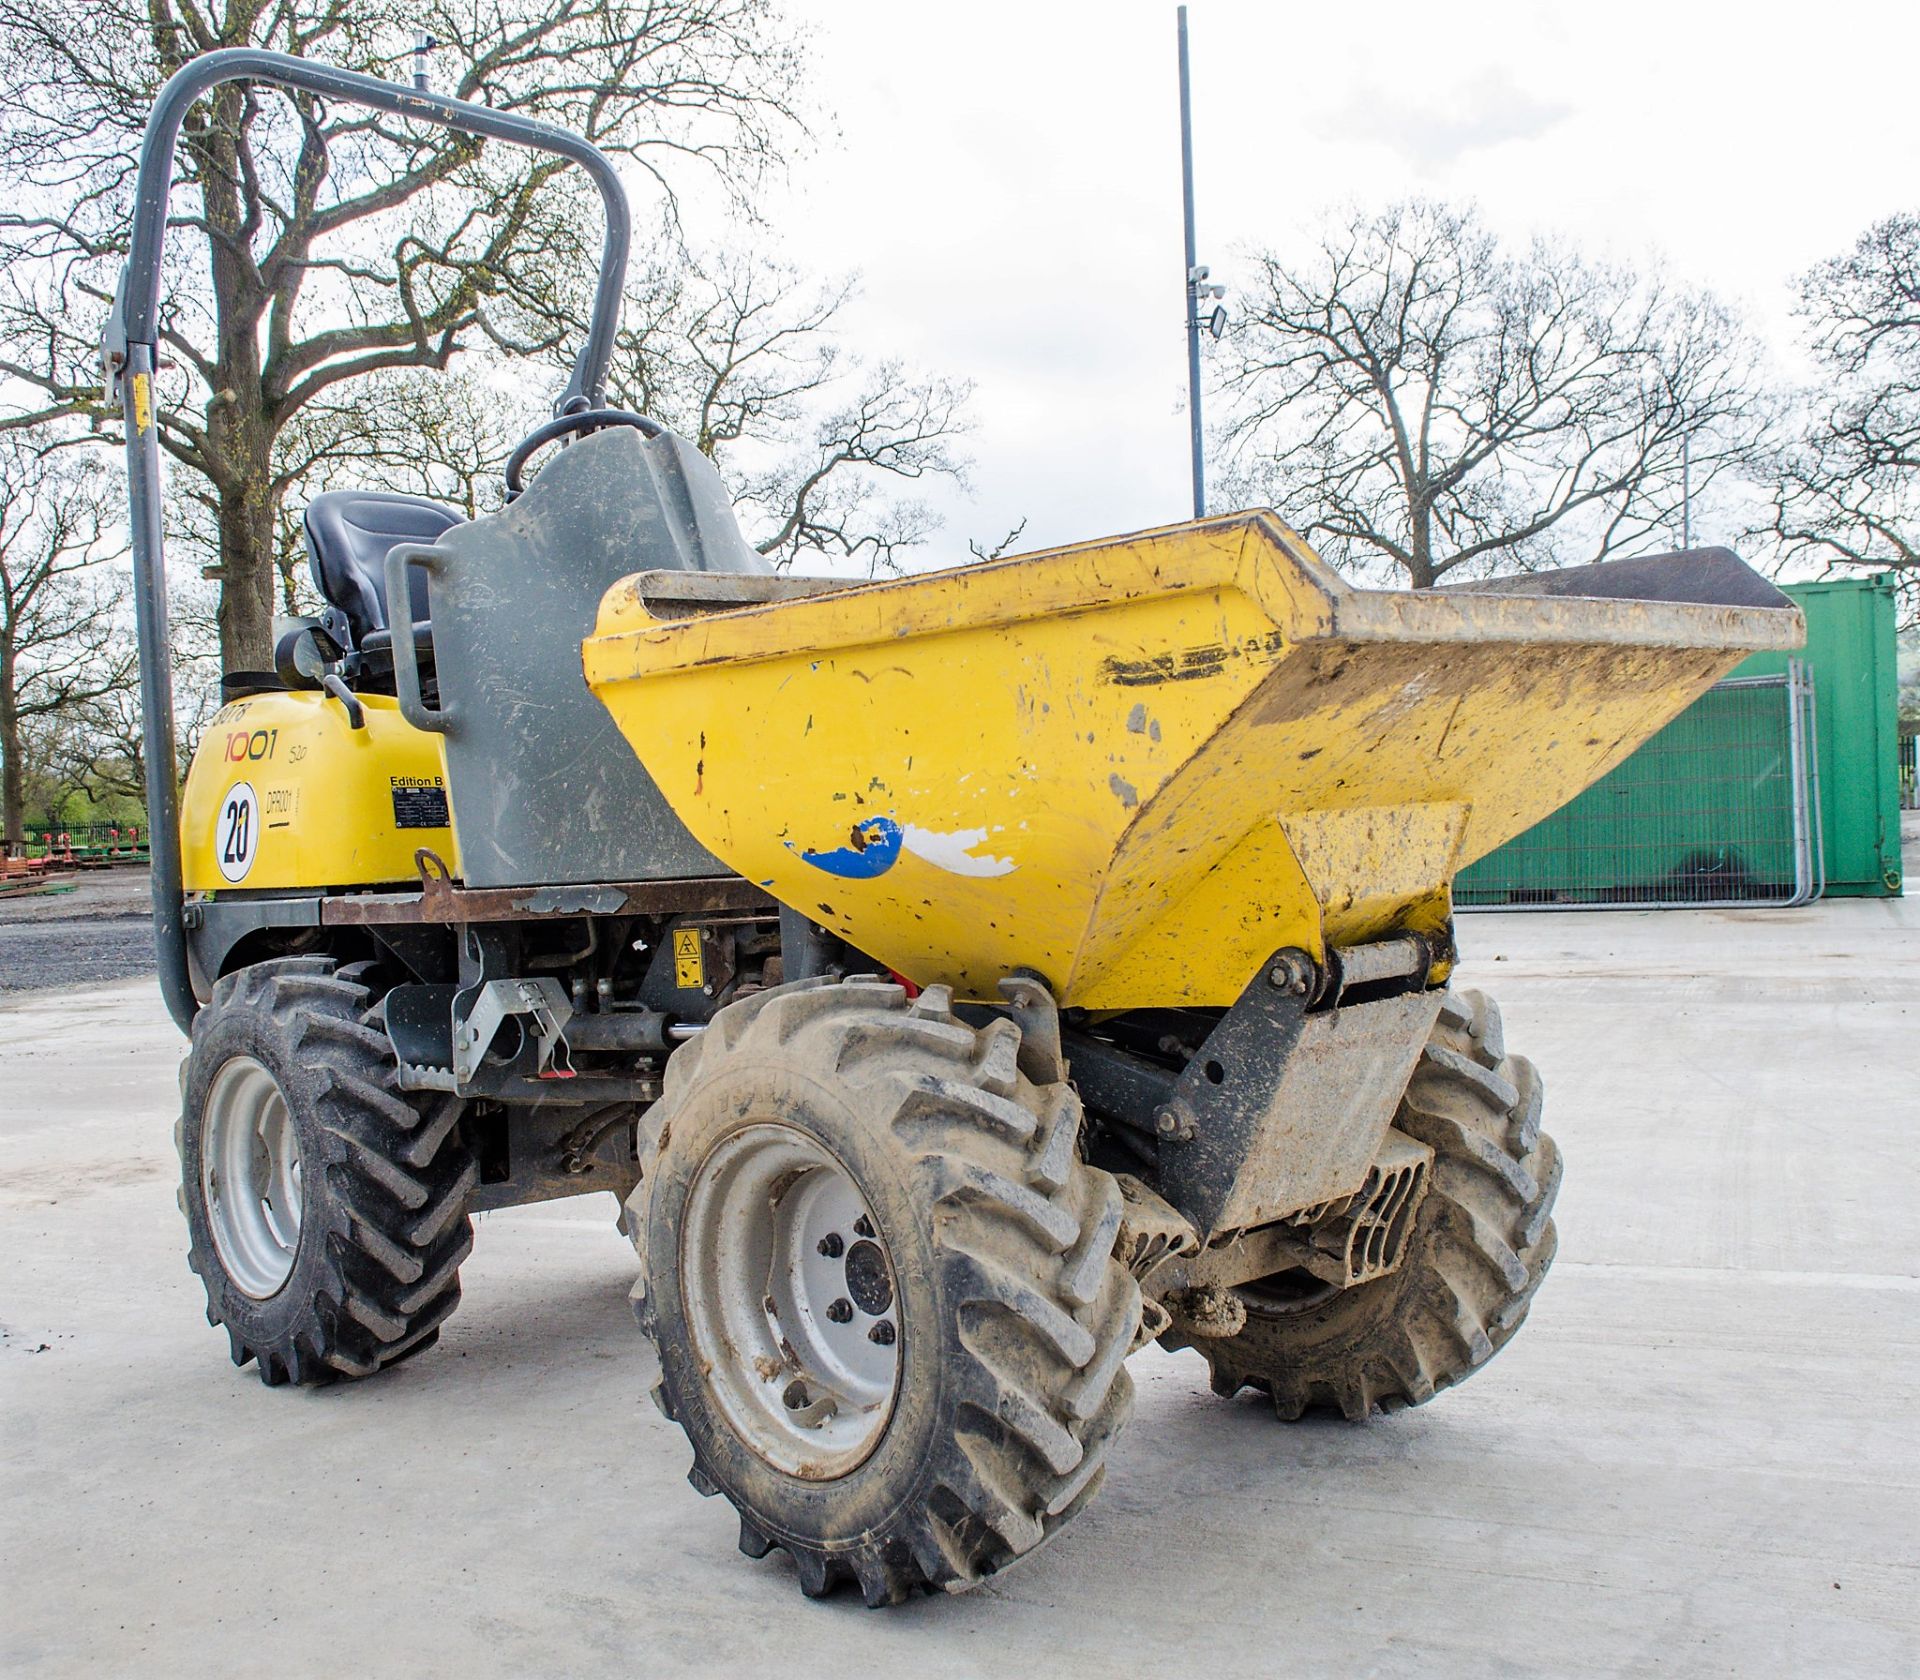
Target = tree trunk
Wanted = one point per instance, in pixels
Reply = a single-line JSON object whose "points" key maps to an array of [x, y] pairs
{"points": [[1420, 568], [13, 774], [240, 430], [247, 572], [242, 438]]}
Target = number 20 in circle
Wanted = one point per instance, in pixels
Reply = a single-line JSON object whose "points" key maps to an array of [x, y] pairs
{"points": [[236, 836]]}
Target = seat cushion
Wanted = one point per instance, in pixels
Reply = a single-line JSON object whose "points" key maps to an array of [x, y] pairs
{"points": [[348, 535]]}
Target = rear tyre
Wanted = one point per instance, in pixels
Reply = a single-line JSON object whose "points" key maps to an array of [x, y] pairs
{"points": [[1482, 1242], [326, 1209], [880, 1281]]}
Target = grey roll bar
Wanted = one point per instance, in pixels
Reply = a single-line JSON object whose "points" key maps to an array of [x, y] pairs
{"points": [[128, 358]]}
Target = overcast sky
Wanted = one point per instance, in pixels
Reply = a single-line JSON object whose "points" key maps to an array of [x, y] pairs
{"points": [[1005, 177]]}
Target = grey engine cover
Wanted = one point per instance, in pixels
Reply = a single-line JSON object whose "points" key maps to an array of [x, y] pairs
{"points": [[544, 788]]}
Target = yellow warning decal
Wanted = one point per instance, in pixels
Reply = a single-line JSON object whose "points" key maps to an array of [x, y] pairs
{"points": [[689, 968], [142, 402]]}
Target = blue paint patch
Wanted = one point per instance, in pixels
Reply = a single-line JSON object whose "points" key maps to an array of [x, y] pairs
{"points": [[873, 849]]}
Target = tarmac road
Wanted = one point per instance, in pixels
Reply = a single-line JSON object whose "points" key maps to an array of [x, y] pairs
{"points": [[82, 929], [1698, 1457]]}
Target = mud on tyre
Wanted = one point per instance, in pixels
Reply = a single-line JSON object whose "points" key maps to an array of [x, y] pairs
{"points": [[1482, 1242], [326, 1209], [913, 1376]]}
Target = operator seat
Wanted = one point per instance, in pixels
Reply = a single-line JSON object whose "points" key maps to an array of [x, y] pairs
{"points": [[348, 535]]}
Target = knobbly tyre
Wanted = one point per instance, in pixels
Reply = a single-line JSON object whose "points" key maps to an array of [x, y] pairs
{"points": [[961, 980]]}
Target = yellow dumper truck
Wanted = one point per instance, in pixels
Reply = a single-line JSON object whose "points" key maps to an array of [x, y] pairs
{"points": [[962, 980]]}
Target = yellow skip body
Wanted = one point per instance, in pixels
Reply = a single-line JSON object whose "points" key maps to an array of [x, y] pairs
{"points": [[284, 793], [1140, 765]]}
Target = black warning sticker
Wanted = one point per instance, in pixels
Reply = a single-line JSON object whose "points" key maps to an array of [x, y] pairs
{"points": [[418, 802]]}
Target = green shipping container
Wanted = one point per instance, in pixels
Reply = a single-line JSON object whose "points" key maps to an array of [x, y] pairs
{"points": [[1852, 654], [1713, 808]]}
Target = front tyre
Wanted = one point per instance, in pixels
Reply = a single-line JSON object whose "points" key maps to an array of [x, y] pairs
{"points": [[326, 1210], [881, 1284], [1482, 1241]]}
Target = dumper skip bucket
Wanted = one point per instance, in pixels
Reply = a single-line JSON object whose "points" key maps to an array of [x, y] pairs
{"points": [[1141, 765]]}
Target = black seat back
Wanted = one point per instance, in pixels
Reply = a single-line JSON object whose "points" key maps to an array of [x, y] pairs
{"points": [[348, 535]]}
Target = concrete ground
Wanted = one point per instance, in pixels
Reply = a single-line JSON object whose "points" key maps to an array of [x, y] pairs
{"points": [[1699, 1457]]}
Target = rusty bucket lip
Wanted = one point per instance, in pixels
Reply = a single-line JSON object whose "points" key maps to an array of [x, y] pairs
{"points": [[1253, 552]]}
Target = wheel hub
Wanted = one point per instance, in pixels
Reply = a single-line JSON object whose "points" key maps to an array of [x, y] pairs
{"points": [[250, 1177], [790, 1301], [869, 1281]]}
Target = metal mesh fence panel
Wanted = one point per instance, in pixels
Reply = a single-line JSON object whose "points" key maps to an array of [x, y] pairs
{"points": [[1721, 807]]}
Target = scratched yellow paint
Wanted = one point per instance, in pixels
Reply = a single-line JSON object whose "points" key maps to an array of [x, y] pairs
{"points": [[283, 793], [1140, 765]]}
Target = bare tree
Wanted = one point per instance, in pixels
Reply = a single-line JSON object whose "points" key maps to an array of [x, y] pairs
{"points": [[742, 356], [425, 433], [1846, 491], [1001, 549], [1417, 399], [401, 244], [63, 646]]}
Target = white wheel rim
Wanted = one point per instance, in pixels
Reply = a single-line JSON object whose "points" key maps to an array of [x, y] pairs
{"points": [[250, 1177], [790, 1301]]}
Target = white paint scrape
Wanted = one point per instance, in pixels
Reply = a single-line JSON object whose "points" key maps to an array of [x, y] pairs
{"points": [[953, 852]]}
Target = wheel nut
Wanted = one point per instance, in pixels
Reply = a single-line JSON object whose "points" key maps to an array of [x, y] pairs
{"points": [[840, 1311], [863, 1226], [832, 1245], [882, 1333]]}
